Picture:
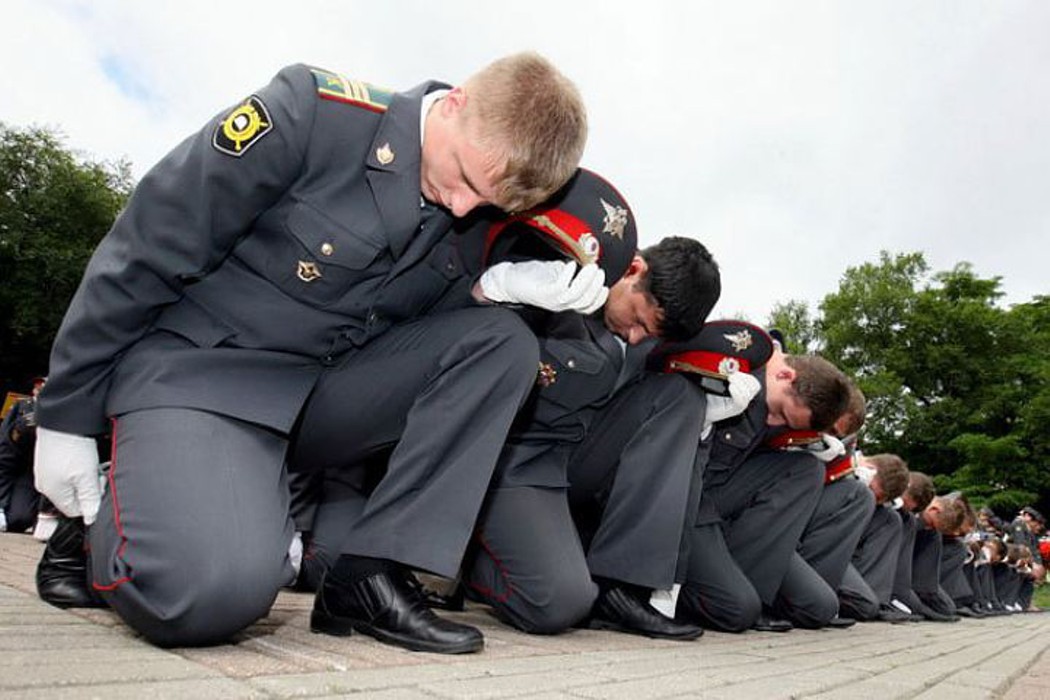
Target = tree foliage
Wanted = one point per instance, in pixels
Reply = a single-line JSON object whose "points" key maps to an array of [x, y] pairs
{"points": [[797, 325], [54, 208], [956, 384]]}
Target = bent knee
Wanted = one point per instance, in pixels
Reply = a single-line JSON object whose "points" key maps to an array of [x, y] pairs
{"points": [[726, 613], [813, 613], [550, 611], [195, 611]]}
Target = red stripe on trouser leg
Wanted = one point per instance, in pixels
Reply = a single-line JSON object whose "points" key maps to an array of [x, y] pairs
{"points": [[110, 478]]}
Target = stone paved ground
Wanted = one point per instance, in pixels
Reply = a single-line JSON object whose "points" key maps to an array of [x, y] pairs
{"points": [[49, 653]]}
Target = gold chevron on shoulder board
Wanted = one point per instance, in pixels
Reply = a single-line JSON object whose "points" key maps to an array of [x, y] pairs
{"points": [[332, 86]]}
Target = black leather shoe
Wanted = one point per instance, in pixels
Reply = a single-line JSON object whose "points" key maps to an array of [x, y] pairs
{"points": [[623, 611], [768, 623], [890, 614], [840, 623], [62, 574], [386, 606]]}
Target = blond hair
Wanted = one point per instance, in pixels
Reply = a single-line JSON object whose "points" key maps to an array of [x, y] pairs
{"points": [[950, 515], [525, 110]]}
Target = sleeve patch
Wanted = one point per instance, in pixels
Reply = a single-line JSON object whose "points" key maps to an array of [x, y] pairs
{"points": [[242, 128], [332, 86]]}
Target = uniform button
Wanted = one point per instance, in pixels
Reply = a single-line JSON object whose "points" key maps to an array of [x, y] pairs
{"points": [[450, 266], [729, 436], [327, 248], [373, 317], [571, 364]]}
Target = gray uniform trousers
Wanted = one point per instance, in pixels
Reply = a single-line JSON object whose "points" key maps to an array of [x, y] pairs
{"points": [[979, 576], [340, 499], [1007, 583], [926, 571], [629, 483], [808, 595], [444, 388], [953, 580], [902, 577], [868, 581], [19, 498], [743, 540]]}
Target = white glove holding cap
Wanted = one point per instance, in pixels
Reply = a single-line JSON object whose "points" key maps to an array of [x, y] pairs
{"points": [[831, 449], [553, 285], [743, 387], [67, 472]]}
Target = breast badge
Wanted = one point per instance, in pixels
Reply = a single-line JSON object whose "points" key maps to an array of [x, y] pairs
{"points": [[308, 271], [385, 154], [242, 128], [547, 374]]}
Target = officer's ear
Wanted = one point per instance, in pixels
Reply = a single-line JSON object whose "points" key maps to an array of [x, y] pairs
{"points": [[453, 102], [636, 270]]}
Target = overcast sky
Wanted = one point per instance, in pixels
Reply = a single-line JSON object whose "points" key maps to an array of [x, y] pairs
{"points": [[795, 139]]}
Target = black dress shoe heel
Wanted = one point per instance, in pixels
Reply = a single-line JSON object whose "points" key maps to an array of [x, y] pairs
{"points": [[62, 574], [326, 623], [388, 607]]}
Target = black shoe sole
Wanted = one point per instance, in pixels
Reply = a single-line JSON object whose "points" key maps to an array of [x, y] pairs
{"points": [[344, 627], [600, 624]]}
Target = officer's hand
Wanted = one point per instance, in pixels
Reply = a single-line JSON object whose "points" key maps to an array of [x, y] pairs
{"points": [[743, 387], [553, 285], [67, 469]]}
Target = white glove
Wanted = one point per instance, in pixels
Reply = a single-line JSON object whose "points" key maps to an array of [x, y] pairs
{"points": [[295, 553], [548, 284], [833, 448], [3, 521], [743, 387], [67, 472]]}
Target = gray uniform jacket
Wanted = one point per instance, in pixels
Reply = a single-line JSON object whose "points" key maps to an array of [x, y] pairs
{"points": [[581, 368], [236, 273], [734, 439]]}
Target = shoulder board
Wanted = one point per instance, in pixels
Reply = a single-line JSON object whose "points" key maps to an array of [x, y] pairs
{"points": [[332, 86]]}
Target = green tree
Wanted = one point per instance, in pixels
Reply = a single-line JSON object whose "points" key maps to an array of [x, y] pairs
{"points": [[55, 206], [957, 385], [794, 320]]}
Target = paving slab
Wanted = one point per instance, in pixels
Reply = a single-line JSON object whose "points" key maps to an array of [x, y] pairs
{"points": [[48, 653]]}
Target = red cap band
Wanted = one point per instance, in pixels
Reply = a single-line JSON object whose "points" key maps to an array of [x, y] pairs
{"points": [[713, 364]]}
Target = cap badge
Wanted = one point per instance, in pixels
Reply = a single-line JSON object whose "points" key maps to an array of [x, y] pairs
{"points": [[590, 246], [615, 219], [385, 154], [547, 374], [728, 365], [741, 341], [308, 271]]}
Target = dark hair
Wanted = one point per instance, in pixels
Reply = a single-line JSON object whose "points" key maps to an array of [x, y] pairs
{"points": [[822, 388], [893, 474], [684, 281], [852, 418]]}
